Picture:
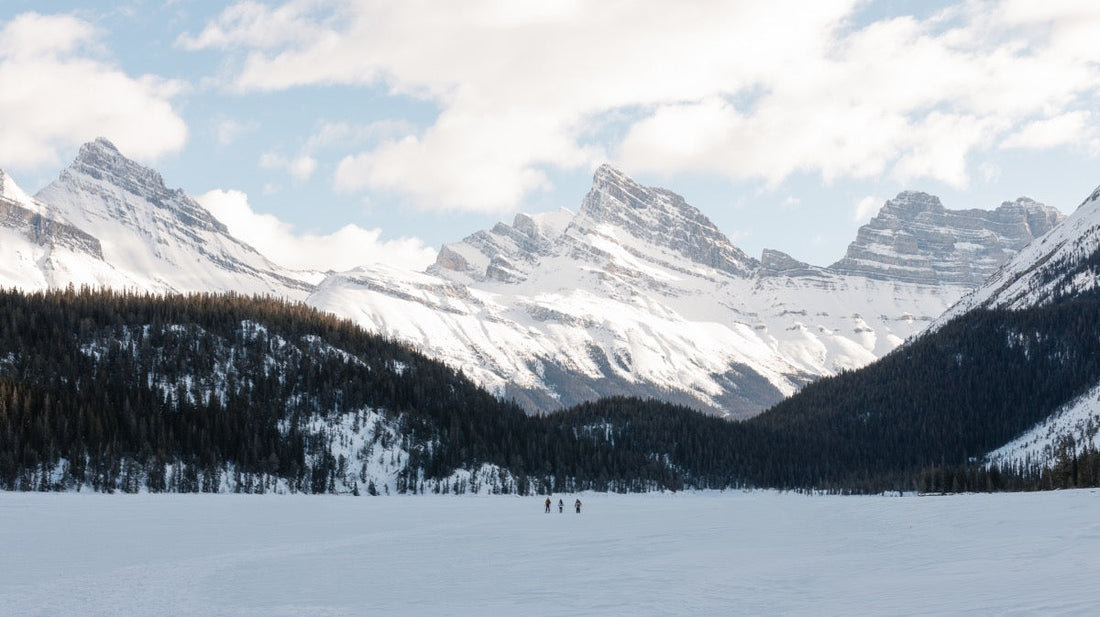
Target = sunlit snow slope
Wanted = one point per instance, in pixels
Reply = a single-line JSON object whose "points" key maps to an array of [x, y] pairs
{"points": [[156, 238]]}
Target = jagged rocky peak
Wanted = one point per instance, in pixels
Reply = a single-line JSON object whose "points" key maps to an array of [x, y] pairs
{"points": [[101, 162], [499, 253], [503, 252], [660, 218], [101, 159], [914, 238]]}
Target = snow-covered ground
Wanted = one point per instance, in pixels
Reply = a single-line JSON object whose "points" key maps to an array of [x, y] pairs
{"points": [[733, 553]]}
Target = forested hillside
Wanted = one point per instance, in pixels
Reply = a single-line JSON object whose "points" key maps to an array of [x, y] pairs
{"points": [[206, 392], [943, 401], [110, 391]]}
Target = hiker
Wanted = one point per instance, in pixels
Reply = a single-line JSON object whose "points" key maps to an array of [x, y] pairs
{"points": [[577, 505], [561, 506], [547, 504]]}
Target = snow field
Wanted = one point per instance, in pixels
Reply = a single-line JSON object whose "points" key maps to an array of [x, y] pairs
{"points": [[733, 553]]}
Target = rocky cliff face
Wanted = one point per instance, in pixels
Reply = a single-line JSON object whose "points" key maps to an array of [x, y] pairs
{"points": [[657, 218], [915, 239], [617, 208]]}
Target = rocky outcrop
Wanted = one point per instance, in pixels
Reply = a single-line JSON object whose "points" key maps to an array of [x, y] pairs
{"points": [[915, 239], [47, 232], [660, 218]]}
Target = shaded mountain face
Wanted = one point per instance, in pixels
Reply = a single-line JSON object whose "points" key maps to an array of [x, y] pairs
{"points": [[636, 293], [915, 239], [40, 252]]}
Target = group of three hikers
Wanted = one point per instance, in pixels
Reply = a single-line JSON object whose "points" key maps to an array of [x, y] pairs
{"points": [[561, 505]]}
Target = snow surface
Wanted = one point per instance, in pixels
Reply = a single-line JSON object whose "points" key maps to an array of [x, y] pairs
{"points": [[759, 553]]}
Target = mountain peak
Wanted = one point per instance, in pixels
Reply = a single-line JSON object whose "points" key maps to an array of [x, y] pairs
{"points": [[102, 160], [911, 204], [914, 238], [658, 217]]}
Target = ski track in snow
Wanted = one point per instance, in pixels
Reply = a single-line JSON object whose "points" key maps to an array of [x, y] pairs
{"points": [[733, 553]]}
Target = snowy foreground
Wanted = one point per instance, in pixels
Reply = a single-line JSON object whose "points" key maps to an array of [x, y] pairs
{"points": [[731, 553]]}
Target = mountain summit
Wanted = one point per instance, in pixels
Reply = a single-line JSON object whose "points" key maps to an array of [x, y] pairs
{"points": [[157, 238], [914, 238], [659, 218]]}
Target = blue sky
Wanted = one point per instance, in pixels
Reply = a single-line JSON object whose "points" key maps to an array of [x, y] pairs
{"points": [[331, 134]]}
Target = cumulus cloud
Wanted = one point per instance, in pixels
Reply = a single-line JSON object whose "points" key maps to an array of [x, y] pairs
{"points": [[300, 167], [740, 90], [866, 208], [1065, 129], [228, 130], [346, 248], [62, 95]]}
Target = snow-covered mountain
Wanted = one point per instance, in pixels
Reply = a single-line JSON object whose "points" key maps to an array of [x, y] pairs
{"points": [[1061, 266], [146, 236], [639, 293], [39, 252], [635, 293], [914, 238]]}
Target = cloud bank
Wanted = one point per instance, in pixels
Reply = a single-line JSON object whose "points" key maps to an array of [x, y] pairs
{"points": [[348, 247], [741, 90]]}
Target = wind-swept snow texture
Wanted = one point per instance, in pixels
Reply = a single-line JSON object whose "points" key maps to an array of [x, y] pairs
{"points": [[685, 554]]}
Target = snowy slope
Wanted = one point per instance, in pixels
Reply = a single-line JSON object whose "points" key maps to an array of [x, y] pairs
{"points": [[1059, 266], [39, 252], [1075, 427], [158, 239]]}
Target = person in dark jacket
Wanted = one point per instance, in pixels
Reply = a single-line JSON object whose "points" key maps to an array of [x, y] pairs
{"points": [[561, 506], [577, 505]]}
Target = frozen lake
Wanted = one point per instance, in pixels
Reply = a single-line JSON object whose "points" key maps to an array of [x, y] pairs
{"points": [[731, 553]]}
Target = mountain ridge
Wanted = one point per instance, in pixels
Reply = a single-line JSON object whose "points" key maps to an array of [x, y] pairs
{"points": [[635, 293]]}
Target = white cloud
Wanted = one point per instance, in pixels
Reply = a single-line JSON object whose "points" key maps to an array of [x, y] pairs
{"points": [[346, 248], [1051, 132], [56, 94], [866, 208], [252, 24], [741, 90], [228, 130], [300, 167]]}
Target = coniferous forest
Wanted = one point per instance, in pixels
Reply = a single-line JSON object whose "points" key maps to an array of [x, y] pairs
{"points": [[109, 391]]}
